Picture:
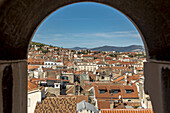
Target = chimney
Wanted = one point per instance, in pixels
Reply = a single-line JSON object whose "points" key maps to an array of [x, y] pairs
{"points": [[112, 105]]}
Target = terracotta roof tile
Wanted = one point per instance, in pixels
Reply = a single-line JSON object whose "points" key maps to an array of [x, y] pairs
{"points": [[139, 68], [122, 92], [36, 61], [119, 78], [57, 105], [108, 58], [103, 104], [33, 67], [111, 62], [79, 98], [127, 111], [31, 86], [88, 56]]}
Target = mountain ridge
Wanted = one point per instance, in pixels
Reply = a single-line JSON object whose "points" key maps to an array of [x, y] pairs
{"points": [[101, 48], [113, 48]]}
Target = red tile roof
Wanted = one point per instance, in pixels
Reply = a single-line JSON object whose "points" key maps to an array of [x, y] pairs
{"points": [[88, 56], [57, 105], [122, 88], [108, 58], [127, 111], [139, 68], [119, 78], [134, 77], [111, 62], [31, 86], [103, 104], [36, 61], [33, 67], [79, 98]]}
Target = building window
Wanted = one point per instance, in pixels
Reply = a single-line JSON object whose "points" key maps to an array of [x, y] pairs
{"points": [[128, 91], [102, 77], [102, 91], [116, 91], [65, 78]]}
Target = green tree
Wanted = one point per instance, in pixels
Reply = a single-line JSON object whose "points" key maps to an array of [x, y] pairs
{"points": [[115, 55], [111, 55], [72, 50], [130, 56]]}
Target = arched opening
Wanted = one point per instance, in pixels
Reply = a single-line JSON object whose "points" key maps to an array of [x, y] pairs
{"points": [[102, 79], [125, 16], [20, 18]]}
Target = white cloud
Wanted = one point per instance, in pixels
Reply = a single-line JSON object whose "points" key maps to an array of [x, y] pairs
{"points": [[116, 34], [58, 35], [75, 36], [91, 39]]}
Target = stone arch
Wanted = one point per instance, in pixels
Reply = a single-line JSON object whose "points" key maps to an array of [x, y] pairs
{"points": [[20, 18], [143, 39]]}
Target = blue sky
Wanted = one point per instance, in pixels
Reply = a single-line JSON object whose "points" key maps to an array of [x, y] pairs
{"points": [[87, 25]]}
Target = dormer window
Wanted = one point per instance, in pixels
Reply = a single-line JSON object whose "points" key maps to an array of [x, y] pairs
{"points": [[102, 91], [129, 91], [115, 91]]}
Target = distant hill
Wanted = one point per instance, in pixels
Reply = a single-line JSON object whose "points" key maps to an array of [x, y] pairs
{"points": [[114, 48], [119, 49], [78, 48], [40, 44], [102, 48]]}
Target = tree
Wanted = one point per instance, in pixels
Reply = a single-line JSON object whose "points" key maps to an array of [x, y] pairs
{"points": [[115, 55], [111, 55], [130, 56], [95, 57], [72, 50]]}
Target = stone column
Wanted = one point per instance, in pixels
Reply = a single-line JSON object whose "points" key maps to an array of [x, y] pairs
{"points": [[157, 85], [13, 86]]}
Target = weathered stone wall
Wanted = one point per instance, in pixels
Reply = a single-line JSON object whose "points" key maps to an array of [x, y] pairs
{"points": [[13, 86], [157, 85], [20, 18]]}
